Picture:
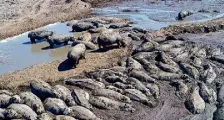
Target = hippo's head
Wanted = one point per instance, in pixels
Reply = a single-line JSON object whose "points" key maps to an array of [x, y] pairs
{"points": [[72, 39]]}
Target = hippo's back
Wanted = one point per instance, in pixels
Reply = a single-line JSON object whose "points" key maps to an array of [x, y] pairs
{"points": [[76, 51]]}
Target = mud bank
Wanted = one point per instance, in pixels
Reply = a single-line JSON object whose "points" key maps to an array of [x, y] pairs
{"points": [[19, 16]]}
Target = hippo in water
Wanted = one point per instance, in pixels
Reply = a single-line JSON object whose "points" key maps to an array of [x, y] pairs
{"points": [[110, 37], [76, 53], [38, 35], [82, 26], [183, 14], [59, 39]]}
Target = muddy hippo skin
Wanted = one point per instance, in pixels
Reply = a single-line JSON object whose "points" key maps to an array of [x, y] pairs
{"points": [[81, 113], [42, 89], [112, 95], [76, 53], [32, 101], [108, 38], [20, 111], [38, 35], [59, 40], [55, 106], [82, 98], [183, 14], [64, 94], [110, 104], [79, 27]]}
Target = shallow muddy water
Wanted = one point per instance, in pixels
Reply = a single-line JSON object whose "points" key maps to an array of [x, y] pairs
{"points": [[17, 53], [156, 15]]}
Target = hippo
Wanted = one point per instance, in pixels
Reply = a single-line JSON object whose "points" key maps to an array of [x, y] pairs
{"points": [[110, 37], [59, 39], [76, 53], [64, 94], [81, 113], [138, 96], [82, 98], [183, 14], [42, 89], [110, 104], [55, 106], [20, 111], [82, 26], [32, 101], [112, 95], [38, 35], [85, 83]]}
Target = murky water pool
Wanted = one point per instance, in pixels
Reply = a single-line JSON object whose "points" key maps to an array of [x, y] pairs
{"points": [[162, 14], [17, 53]]}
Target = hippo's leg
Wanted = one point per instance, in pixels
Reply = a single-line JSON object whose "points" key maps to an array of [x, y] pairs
{"points": [[51, 45], [32, 40], [100, 46], [74, 64], [66, 43], [83, 55]]}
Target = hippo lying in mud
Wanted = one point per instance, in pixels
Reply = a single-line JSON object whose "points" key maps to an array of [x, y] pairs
{"points": [[79, 27], [76, 53], [183, 14], [38, 35], [110, 37], [59, 39]]}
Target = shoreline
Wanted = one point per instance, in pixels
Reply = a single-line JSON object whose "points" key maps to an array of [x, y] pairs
{"points": [[77, 10]]}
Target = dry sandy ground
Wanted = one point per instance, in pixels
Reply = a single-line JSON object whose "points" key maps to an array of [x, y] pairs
{"points": [[58, 70], [19, 16]]}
